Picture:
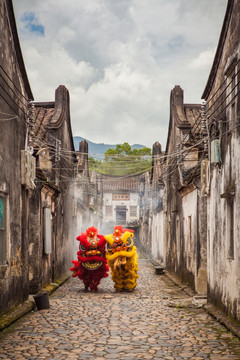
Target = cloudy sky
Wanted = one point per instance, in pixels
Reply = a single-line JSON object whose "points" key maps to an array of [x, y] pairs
{"points": [[119, 60]]}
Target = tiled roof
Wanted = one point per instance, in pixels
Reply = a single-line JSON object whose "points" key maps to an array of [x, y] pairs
{"points": [[193, 115], [129, 183], [44, 113]]}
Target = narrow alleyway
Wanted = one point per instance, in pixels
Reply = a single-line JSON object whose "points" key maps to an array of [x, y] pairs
{"points": [[156, 321]]}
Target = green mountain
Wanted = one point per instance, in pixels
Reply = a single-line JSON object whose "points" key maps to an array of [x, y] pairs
{"points": [[97, 150]]}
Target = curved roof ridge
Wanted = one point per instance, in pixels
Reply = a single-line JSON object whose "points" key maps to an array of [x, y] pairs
{"points": [[13, 26]]}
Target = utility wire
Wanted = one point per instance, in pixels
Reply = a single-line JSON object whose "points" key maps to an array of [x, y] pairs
{"points": [[13, 83]]}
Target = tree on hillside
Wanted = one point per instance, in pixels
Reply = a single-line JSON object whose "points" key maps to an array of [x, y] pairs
{"points": [[93, 164], [123, 160], [126, 150]]}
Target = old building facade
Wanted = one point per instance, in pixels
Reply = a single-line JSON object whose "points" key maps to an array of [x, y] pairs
{"points": [[37, 159], [186, 207], [222, 188], [158, 243], [50, 221], [14, 199], [178, 208], [195, 228]]}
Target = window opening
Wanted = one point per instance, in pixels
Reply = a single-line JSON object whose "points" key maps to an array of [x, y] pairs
{"points": [[121, 215], [133, 211], [108, 210]]}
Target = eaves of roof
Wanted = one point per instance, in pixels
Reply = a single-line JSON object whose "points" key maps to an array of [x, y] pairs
{"points": [[17, 46], [185, 116], [44, 113], [219, 50], [121, 176]]}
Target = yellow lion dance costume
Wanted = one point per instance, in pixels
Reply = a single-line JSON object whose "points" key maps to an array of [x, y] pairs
{"points": [[122, 259]]}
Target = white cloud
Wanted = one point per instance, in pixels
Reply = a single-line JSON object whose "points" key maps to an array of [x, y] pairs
{"points": [[66, 34], [203, 60], [120, 60]]}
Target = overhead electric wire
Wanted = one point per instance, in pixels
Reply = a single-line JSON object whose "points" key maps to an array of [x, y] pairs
{"points": [[183, 152], [13, 94], [67, 151], [230, 102], [11, 97], [197, 122], [225, 90], [21, 117], [67, 154], [9, 118], [9, 105], [225, 80], [4, 71]]}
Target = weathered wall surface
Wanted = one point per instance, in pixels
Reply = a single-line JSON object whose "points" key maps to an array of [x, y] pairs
{"points": [[65, 238], [63, 231], [190, 233], [224, 257], [35, 242], [51, 220], [202, 256], [145, 234], [158, 238], [222, 94], [194, 252], [185, 208], [158, 231], [14, 198]]}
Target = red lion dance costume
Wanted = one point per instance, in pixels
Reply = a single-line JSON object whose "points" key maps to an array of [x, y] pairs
{"points": [[91, 265]]}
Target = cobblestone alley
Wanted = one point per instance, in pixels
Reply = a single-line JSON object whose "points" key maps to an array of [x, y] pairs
{"points": [[156, 321]]}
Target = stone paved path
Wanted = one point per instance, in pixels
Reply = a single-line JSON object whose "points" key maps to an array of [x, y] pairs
{"points": [[156, 321]]}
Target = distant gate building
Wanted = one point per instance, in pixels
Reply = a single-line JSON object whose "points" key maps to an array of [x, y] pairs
{"points": [[120, 200]]}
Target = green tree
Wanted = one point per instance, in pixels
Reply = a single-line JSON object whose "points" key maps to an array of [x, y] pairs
{"points": [[125, 161], [93, 164]]}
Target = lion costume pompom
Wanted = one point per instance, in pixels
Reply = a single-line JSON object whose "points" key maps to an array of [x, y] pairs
{"points": [[122, 259], [91, 265]]}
